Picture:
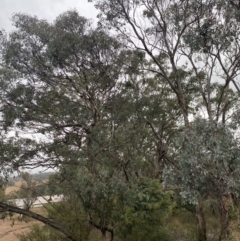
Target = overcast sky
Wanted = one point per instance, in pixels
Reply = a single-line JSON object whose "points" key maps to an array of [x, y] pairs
{"points": [[46, 9]]}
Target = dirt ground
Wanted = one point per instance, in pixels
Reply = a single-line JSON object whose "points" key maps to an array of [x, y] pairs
{"points": [[16, 187], [8, 231]]}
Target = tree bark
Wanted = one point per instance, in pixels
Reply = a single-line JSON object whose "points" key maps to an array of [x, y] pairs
{"points": [[38, 217], [103, 230], [224, 202], [201, 223]]}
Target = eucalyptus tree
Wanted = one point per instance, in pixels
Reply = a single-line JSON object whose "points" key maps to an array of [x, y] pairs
{"points": [[201, 37], [57, 83], [77, 100], [27, 190], [208, 158]]}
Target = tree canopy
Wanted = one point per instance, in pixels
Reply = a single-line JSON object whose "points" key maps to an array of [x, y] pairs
{"points": [[126, 112]]}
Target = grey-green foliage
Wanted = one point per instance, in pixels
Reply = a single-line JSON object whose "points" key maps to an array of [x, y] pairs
{"points": [[141, 217], [206, 33], [27, 190], [214, 23], [61, 81], [145, 211], [69, 213], [207, 162], [110, 202], [132, 210], [98, 118], [85, 96], [9, 157], [3, 198]]}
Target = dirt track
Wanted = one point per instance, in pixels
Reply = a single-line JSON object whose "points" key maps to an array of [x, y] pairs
{"points": [[8, 231]]}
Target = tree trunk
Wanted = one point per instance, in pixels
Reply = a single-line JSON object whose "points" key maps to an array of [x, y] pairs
{"points": [[238, 216], [110, 236], [201, 223], [224, 202], [103, 230]]}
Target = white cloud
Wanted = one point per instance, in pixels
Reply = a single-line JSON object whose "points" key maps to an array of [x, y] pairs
{"points": [[46, 9]]}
